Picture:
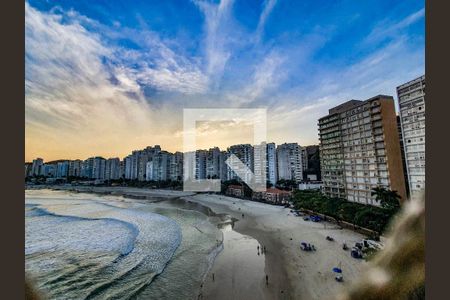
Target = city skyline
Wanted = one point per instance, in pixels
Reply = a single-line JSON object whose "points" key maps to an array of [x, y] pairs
{"points": [[162, 149], [104, 79]]}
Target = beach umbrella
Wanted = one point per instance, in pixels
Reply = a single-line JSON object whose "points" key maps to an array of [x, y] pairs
{"points": [[337, 270]]}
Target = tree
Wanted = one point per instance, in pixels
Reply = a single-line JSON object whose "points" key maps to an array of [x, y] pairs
{"points": [[388, 199]]}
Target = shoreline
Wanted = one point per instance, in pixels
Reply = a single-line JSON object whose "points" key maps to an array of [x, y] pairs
{"points": [[293, 274]]}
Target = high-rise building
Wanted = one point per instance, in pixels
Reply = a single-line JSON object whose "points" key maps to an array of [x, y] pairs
{"points": [[271, 163], [135, 164], [112, 168], [98, 168], [62, 169], [158, 168], [121, 169], [360, 150], [223, 173], [49, 170], [411, 99], [28, 169], [289, 160], [75, 168], [213, 163], [127, 161], [200, 164], [245, 154], [176, 167], [86, 168], [304, 159], [37, 167]]}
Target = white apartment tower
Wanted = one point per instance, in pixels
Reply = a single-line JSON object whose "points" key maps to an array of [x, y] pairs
{"points": [[411, 99], [289, 160]]}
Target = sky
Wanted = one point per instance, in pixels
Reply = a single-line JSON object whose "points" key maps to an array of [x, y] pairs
{"points": [[108, 77]]}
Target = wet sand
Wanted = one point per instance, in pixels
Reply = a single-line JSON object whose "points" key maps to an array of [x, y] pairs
{"points": [[234, 270], [293, 273]]}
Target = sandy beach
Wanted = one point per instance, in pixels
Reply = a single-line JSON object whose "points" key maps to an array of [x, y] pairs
{"points": [[239, 272], [293, 273]]}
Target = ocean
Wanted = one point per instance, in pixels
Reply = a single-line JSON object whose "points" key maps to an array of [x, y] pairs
{"points": [[88, 246]]}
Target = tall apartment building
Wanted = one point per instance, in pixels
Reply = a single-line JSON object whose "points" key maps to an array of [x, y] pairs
{"points": [[260, 165], [136, 163], [62, 169], [75, 168], [271, 163], [245, 153], [112, 168], [28, 168], [37, 167], [200, 164], [213, 163], [360, 150], [98, 168], [122, 169], [128, 163], [289, 160], [49, 170], [159, 167], [411, 99], [223, 173], [176, 167], [304, 159]]}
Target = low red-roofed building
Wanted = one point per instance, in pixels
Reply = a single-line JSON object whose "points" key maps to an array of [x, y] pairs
{"points": [[235, 190], [273, 195]]}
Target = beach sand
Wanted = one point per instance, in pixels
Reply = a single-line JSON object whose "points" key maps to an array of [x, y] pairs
{"points": [[240, 272], [293, 273]]}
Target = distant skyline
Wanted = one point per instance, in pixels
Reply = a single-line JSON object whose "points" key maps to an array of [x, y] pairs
{"points": [[106, 78]]}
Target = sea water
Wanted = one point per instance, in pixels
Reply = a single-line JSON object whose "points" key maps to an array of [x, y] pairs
{"points": [[86, 246]]}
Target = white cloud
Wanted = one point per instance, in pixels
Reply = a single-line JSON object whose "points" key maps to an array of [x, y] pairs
{"points": [[216, 40], [267, 76], [385, 29], [268, 7]]}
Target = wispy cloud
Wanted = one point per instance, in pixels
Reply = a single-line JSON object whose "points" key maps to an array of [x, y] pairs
{"points": [[266, 76], [386, 29], [216, 40], [268, 7]]}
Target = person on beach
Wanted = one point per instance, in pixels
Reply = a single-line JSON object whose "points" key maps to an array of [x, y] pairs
{"points": [[267, 279], [213, 276]]}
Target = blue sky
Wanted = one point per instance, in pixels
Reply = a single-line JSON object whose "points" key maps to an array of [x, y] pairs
{"points": [[106, 77]]}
